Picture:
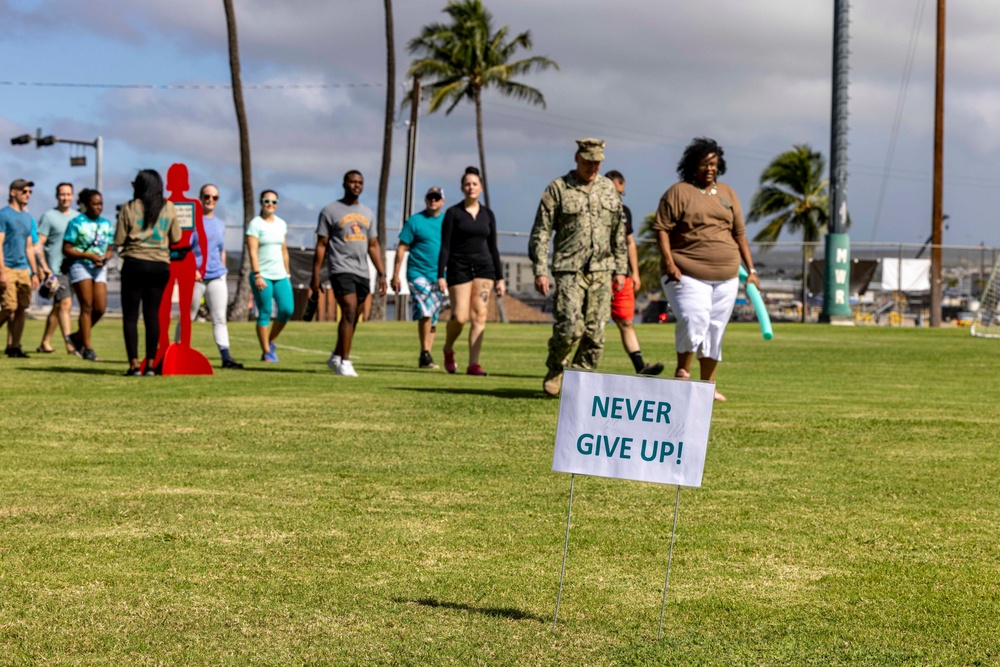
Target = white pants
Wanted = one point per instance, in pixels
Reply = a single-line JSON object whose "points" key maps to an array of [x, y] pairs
{"points": [[216, 295], [702, 309]]}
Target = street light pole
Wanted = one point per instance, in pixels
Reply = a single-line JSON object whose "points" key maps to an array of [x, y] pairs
{"points": [[48, 140]]}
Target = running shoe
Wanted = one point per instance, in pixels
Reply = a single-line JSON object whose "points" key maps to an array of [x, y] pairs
{"points": [[427, 361], [269, 357], [231, 363], [334, 362], [150, 372], [449, 361], [90, 355], [476, 369], [346, 369], [274, 352], [16, 353], [651, 369], [133, 373]]}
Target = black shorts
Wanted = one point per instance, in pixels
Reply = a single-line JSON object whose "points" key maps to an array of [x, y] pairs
{"points": [[349, 283], [463, 272]]}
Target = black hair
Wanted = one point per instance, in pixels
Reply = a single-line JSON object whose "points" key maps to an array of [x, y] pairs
{"points": [[148, 188], [264, 192], [696, 151], [473, 171], [353, 171], [615, 175], [83, 197], [64, 185], [87, 195]]}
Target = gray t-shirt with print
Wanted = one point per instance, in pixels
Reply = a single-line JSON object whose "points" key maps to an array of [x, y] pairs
{"points": [[348, 229]]}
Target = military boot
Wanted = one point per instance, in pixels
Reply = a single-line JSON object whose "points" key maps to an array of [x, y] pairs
{"points": [[553, 382]]}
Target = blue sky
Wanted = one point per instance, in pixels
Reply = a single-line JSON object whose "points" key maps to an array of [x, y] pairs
{"points": [[645, 76]]}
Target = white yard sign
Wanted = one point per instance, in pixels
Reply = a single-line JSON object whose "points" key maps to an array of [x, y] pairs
{"points": [[633, 427]]}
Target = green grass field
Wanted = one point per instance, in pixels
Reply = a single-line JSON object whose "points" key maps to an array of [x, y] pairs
{"points": [[282, 515]]}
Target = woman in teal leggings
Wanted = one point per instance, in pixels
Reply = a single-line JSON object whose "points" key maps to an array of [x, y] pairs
{"points": [[270, 280]]}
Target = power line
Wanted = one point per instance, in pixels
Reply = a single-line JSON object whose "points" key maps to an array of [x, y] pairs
{"points": [[897, 120], [189, 86]]}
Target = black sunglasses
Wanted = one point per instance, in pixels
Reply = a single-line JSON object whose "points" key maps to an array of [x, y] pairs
{"points": [[434, 197]]}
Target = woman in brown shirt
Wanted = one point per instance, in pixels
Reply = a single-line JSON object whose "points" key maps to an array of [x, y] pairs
{"points": [[700, 232], [147, 226]]}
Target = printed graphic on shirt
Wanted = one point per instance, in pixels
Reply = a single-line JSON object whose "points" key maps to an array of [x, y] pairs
{"points": [[358, 225]]}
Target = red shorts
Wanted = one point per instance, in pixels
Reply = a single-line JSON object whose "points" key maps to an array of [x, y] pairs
{"points": [[623, 302]]}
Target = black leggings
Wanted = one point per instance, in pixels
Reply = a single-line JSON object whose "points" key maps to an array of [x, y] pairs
{"points": [[143, 283]]}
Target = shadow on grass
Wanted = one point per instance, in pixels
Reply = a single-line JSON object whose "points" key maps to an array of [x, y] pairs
{"points": [[496, 612], [92, 368], [497, 392], [433, 372]]}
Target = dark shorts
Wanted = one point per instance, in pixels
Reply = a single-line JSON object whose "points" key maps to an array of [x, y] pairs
{"points": [[349, 283], [65, 290], [463, 272]]}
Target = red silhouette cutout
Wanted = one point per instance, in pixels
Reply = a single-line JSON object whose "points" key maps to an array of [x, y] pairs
{"points": [[180, 358]]}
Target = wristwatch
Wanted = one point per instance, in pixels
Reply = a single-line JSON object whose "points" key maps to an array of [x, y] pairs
{"points": [[754, 271]]}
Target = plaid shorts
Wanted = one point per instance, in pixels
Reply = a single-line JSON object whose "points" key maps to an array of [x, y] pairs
{"points": [[425, 300]]}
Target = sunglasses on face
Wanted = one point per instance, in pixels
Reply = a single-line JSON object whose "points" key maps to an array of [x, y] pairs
{"points": [[269, 201], [210, 197], [433, 197]]}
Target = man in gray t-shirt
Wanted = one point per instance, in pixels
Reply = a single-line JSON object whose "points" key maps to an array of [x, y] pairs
{"points": [[346, 234], [51, 228]]}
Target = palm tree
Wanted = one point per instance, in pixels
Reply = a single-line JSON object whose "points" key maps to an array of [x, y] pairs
{"points": [[378, 306], [466, 57], [649, 256], [793, 196], [238, 306]]}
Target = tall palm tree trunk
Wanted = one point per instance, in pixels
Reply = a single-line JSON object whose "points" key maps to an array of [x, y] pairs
{"points": [[378, 303], [479, 140], [239, 305]]}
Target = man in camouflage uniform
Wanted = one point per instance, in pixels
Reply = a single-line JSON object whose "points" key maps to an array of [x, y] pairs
{"points": [[583, 211]]}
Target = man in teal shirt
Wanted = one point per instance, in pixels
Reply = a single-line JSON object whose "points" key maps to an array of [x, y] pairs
{"points": [[421, 236], [18, 271]]}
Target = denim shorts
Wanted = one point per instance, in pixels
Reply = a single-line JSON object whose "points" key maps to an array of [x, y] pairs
{"points": [[79, 271]]}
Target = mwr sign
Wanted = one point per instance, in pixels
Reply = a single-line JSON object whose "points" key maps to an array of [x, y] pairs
{"points": [[633, 427]]}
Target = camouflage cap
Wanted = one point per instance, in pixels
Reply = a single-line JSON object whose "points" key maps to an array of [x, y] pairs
{"points": [[591, 149]]}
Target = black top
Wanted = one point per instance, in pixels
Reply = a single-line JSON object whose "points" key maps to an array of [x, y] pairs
{"points": [[467, 240], [628, 221]]}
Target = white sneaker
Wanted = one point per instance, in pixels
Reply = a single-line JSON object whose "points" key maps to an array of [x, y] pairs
{"points": [[346, 369], [334, 362]]}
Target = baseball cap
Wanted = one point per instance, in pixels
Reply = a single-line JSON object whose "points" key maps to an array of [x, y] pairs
{"points": [[20, 184], [434, 191], [591, 149]]}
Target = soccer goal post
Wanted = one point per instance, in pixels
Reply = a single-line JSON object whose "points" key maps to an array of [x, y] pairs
{"points": [[987, 321]]}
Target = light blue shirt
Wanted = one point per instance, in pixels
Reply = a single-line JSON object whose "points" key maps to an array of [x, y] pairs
{"points": [[215, 231], [53, 226], [17, 226]]}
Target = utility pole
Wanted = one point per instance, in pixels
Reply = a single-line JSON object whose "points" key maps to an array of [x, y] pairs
{"points": [[837, 278], [937, 220], [411, 149]]}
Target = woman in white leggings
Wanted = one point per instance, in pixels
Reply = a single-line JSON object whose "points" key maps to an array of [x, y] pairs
{"points": [[212, 286]]}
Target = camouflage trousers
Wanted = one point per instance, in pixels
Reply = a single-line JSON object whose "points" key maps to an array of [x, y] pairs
{"points": [[582, 308]]}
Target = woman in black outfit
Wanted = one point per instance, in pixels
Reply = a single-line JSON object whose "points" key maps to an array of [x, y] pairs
{"points": [[147, 226], [468, 268]]}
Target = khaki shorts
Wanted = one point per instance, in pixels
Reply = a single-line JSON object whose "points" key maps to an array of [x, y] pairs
{"points": [[17, 293]]}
